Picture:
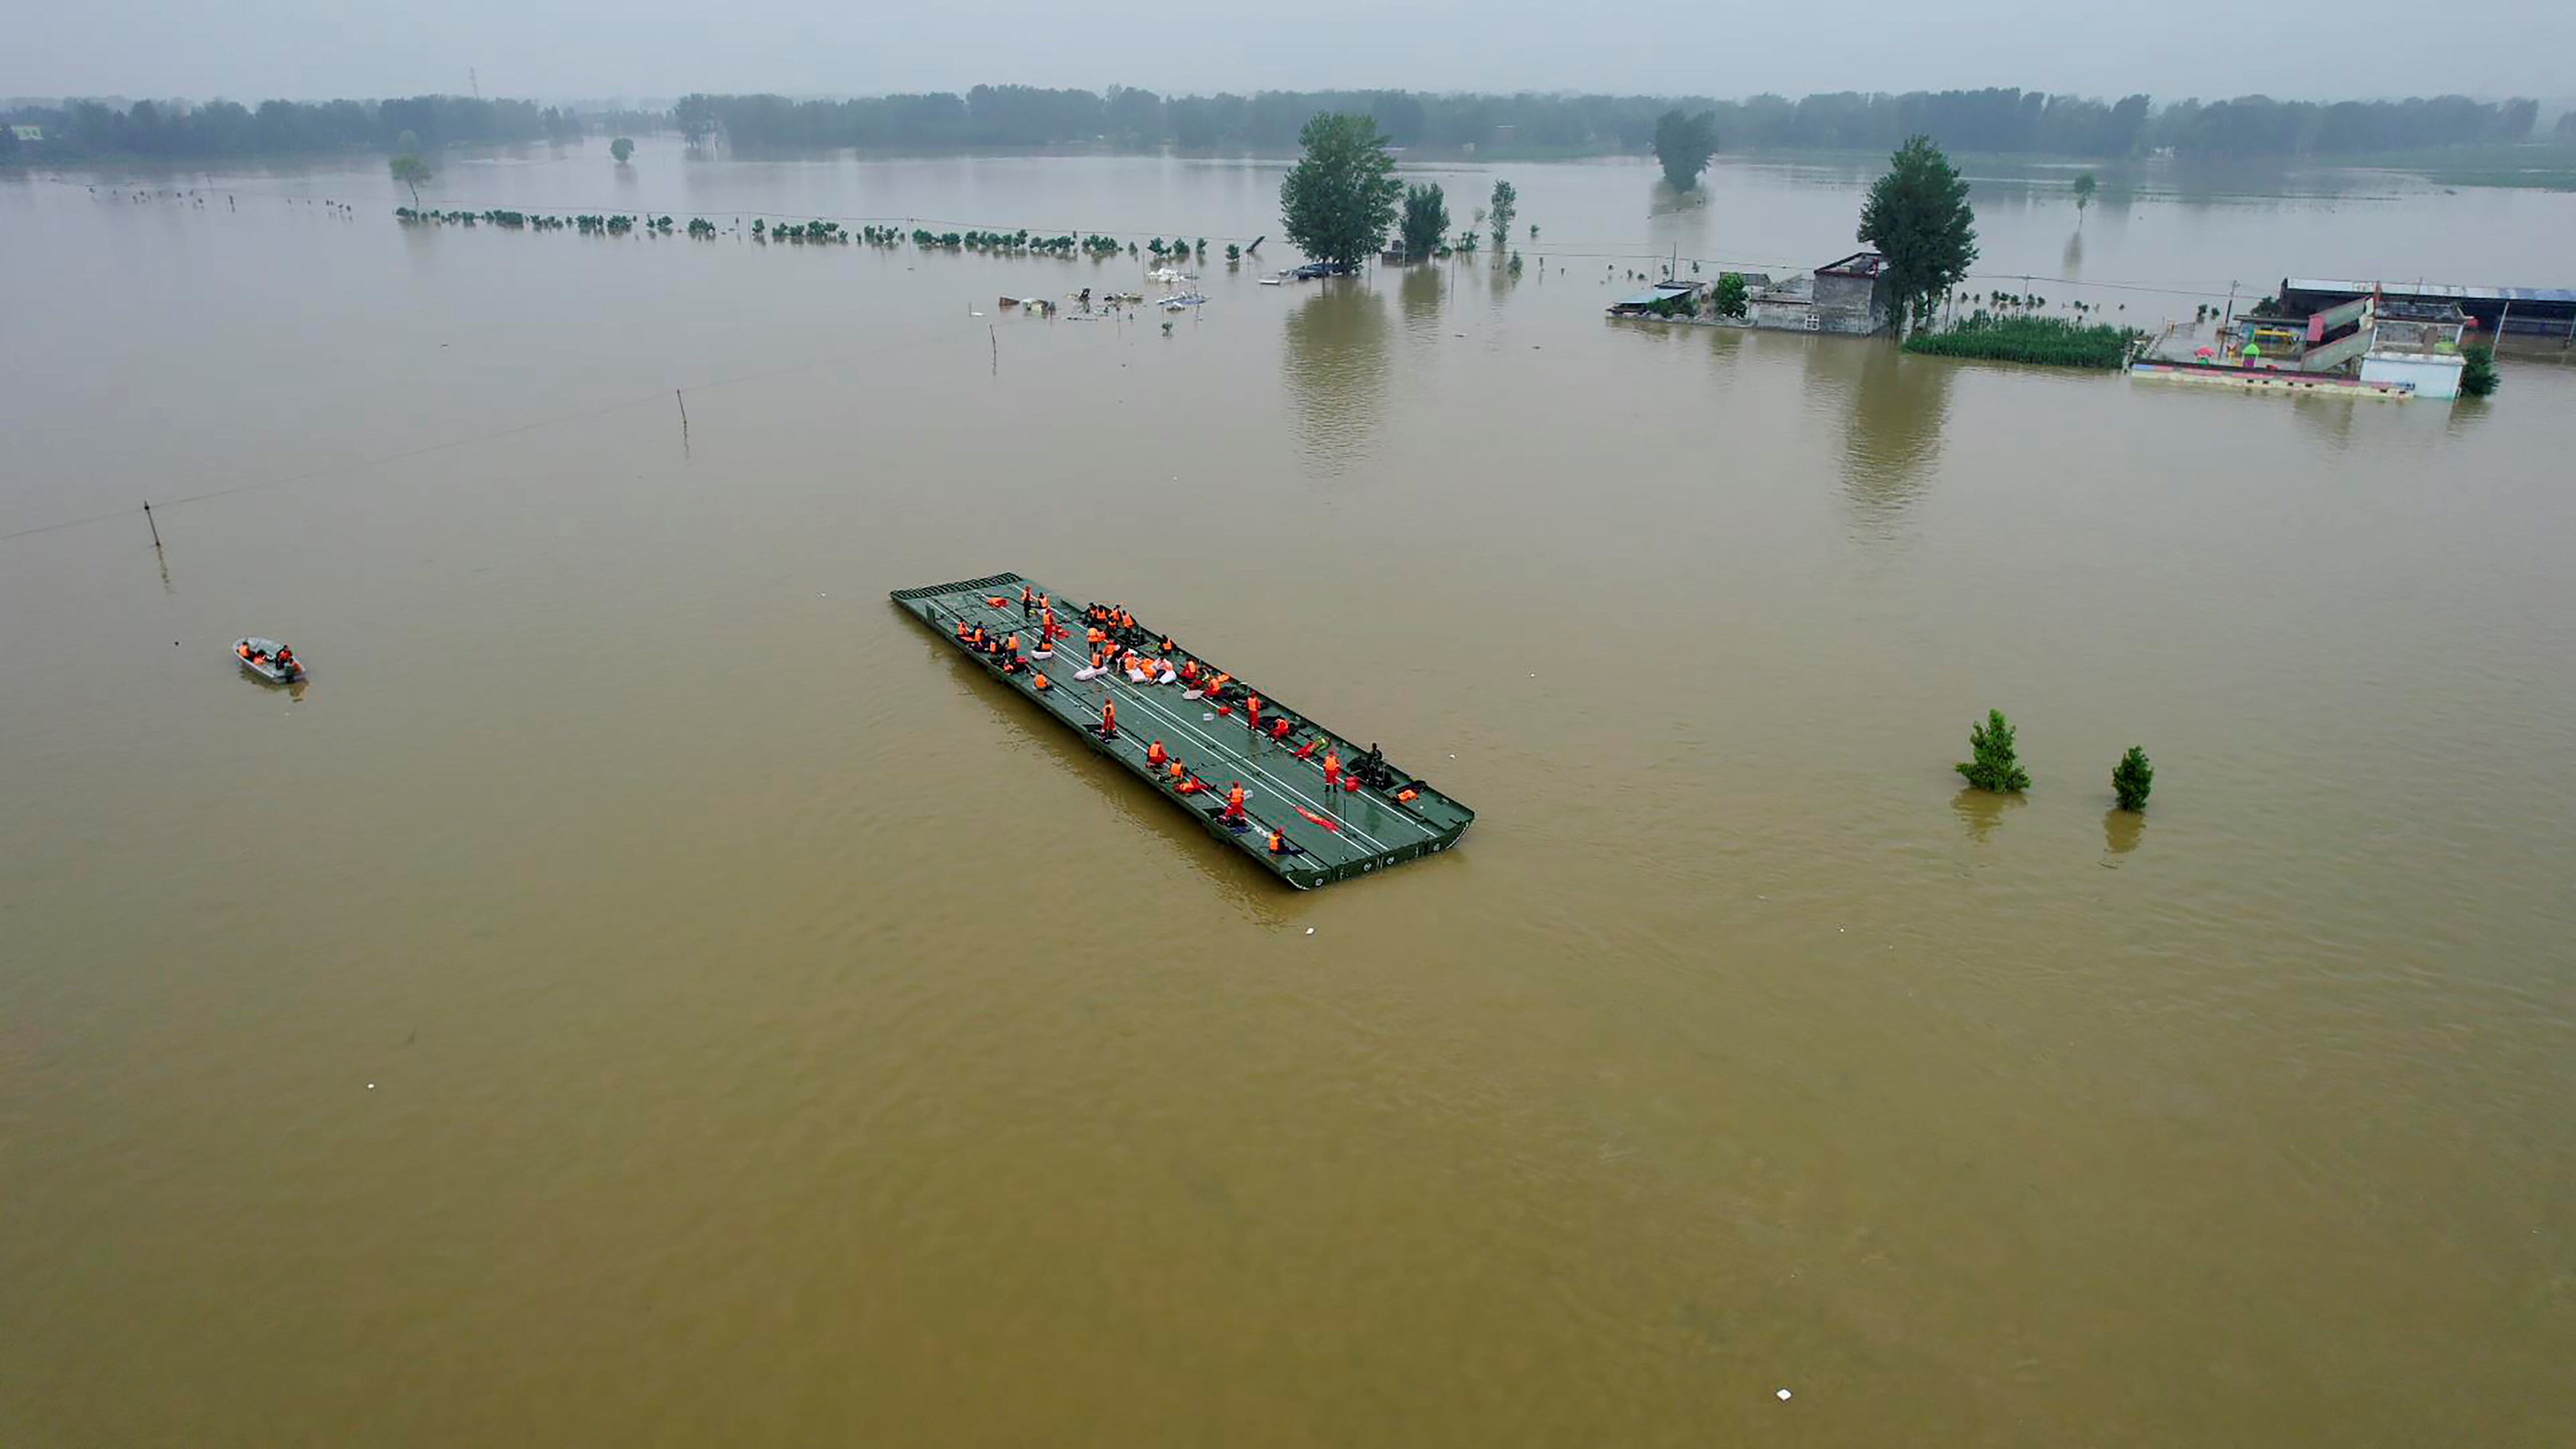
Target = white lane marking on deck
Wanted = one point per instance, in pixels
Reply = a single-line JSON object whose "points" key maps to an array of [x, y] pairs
{"points": [[1276, 783]]}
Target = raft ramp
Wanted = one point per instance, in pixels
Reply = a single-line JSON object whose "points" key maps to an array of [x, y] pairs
{"points": [[1336, 833]]}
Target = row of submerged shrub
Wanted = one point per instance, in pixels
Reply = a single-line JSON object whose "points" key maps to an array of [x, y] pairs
{"points": [[2047, 341], [1022, 242]]}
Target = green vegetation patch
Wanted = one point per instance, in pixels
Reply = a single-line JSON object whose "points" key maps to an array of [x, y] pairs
{"points": [[2046, 341]]}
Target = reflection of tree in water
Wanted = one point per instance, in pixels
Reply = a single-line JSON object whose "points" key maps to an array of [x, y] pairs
{"points": [[1894, 407], [2121, 829], [1419, 296], [1980, 811], [1336, 369], [2070, 265]]}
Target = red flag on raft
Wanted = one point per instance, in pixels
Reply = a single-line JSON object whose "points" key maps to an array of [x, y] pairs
{"points": [[1331, 825]]}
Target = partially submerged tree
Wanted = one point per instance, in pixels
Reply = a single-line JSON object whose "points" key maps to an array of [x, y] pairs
{"points": [[1729, 298], [620, 149], [2132, 778], [1994, 767], [2085, 185], [1506, 204], [411, 171], [1918, 217], [1683, 144], [2478, 371], [1340, 198], [1426, 219], [697, 119]]}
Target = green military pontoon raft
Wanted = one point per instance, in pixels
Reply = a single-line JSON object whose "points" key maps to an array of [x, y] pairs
{"points": [[1333, 832]]}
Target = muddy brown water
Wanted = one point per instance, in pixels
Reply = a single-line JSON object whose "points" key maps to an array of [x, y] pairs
{"points": [[646, 990]]}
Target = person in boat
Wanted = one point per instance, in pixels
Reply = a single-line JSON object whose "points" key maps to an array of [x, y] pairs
{"points": [[1028, 601], [1177, 774], [1155, 754], [286, 658], [1109, 719], [1332, 768], [1234, 800], [1279, 729], [1279, 843], [1038, 682], [1252, 712]]}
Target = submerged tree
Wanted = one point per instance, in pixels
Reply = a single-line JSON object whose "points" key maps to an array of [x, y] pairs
{"points": [[411, 171], [1683, 144], [620, 149], [2132, 778], [1505, 205], [1918, 217], [2085, 185], [1340, 198], [1994, 767], [2478, 371], [1426, 219]]}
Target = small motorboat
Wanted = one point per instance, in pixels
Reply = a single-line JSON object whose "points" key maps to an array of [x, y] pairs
{"points": [[261, 657]]}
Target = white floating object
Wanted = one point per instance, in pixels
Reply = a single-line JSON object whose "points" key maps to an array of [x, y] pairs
{"points": [[371, 1086], [1310, 930], [1784, 1395]]}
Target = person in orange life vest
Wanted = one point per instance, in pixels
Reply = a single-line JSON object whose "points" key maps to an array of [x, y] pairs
{"points": [[1252, 711], [1028, 601], [1279, 729], [1014, 643], [1109, 719], [1278, 842], [1234, 801], [1193, 785], [1167, 645], [1332, 768], [1178, 772], [1095, 661], [1155, 755], [1306, 751], [961, 629], [1039, 682]]}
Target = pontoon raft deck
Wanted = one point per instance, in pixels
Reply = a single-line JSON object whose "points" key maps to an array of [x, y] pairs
{"points": [[1336, 832]]}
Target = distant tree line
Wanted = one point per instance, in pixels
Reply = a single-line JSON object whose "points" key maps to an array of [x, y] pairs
{"points": [[2002, 120], [223, 128], [1995, 121]]}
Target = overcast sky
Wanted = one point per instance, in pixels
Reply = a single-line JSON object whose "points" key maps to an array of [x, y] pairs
{"points": [[547, 49]]}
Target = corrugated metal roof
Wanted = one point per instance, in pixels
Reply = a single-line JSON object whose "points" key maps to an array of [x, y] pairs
{"points": [[2438, 289]]}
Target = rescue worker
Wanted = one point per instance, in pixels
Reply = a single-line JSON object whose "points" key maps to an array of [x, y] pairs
{"points": [[1278, 842], [1028, 601], [1178, 773], [1039, 682], [1155, 754], [1234, 801], [1252, 712], [1193, 785], [1306, 751], [1109, 719], [1332, 768], [1279, 729], [286, 658]]}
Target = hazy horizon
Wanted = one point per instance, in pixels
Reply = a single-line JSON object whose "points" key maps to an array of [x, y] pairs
{"points": [[261, 49]]}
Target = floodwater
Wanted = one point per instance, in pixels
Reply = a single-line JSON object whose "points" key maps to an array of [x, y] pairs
{"points": [[647, 991]]}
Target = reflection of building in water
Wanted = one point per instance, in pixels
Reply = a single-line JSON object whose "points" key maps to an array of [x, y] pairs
{"points": [[1336, 371]]}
